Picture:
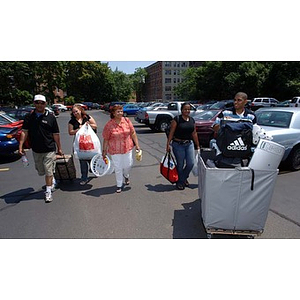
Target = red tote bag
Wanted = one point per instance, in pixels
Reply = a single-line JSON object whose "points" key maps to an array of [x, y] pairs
{"points": [[168, 168]]}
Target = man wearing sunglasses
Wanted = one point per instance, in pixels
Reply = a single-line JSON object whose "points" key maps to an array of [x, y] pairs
{"points": [[42, 129]]}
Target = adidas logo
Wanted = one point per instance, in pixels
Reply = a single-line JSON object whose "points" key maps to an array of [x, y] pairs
{"points": [[238, 145]]}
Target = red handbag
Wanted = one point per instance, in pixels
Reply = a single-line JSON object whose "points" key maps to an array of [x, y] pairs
{"points": [[168, 168]]}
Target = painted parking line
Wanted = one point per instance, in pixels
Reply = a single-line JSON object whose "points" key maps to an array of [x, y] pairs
{"points": [[4, 169]]}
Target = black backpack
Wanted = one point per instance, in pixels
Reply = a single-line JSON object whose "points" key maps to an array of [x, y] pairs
{"points": [[234, 139]]}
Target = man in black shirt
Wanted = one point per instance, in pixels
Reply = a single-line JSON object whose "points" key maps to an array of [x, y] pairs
{"points": [[42, 129]]}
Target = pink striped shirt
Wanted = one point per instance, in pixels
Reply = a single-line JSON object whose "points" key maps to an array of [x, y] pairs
{"points": [[118, 136]]}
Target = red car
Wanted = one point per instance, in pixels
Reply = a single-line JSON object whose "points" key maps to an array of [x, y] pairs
{"points": [[204, 121], [10, 122]]}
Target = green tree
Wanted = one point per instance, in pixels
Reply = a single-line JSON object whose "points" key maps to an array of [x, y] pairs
{"points": [[89, 81], [122, 86], [48, 76], [138, 82]]}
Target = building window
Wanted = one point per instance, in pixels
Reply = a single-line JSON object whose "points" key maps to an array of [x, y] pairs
{"points": [[167, 80], [168, 96], [167, 64], [175, 72], [167, 72], [174, 80], [168, 88], [183, 64]]}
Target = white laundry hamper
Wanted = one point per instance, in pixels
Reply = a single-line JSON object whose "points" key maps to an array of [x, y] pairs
{"points": [[267, 155], [101, 167]]}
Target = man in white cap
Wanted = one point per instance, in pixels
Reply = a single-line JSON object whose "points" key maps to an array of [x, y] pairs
{"points": [[42, 129]]}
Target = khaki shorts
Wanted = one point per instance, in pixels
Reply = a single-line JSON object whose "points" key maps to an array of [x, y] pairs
{"points": [[44, 163]]}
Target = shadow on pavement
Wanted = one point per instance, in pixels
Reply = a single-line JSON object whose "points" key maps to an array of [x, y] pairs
{"points": [[108, 190], [160, 187], [187, 223], [23, 195], [166, 187]]}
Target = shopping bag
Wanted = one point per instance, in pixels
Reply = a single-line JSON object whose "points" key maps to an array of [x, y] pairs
{"points": [[86, 143], [168, 168], [195, 167]]}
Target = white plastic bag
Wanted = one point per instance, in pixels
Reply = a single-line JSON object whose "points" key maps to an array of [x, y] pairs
{"points": [[195, 167], [86, 143]]}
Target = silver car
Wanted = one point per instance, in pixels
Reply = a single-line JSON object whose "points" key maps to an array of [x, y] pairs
{"points": [[283, 123]]}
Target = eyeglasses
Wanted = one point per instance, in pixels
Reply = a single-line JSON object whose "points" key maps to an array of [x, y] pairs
{"points": [[39, 102]]}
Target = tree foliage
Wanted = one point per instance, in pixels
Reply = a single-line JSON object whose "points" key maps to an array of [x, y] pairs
{"points": [[95, 81], [221, 80]]}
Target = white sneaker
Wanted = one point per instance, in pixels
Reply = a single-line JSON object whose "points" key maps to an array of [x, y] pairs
{"points": [[54, 185], [48, 197]]}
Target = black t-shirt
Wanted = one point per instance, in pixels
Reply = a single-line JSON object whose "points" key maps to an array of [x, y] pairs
{"points": [[40, 131], [184, 129], [76, 124]]}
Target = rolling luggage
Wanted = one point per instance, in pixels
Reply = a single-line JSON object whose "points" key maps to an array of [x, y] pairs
{"points": [[65, 168]]}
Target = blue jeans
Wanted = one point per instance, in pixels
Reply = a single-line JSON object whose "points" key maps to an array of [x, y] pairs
{"points": [[84, 168], [184, 154]]}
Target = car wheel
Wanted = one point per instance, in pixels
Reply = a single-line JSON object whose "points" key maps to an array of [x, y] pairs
{"points": [[163, 125], [294, 159], [63, 110]]}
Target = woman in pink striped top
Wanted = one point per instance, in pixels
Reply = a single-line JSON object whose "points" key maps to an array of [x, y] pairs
{"points": [[118, 138]]}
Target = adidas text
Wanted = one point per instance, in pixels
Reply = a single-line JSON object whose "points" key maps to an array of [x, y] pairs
{"points": [[237, 147]]}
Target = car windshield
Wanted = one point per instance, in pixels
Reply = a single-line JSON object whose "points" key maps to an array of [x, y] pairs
{"points": [[6, 119], [274, 118], [222, 104], [206, 115]]}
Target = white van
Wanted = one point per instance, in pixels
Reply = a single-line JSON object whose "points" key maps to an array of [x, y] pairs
{"points": [[295, 102]]}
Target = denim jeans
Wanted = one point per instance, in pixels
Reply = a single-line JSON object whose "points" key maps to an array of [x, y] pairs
{"points": [[84, 168], [184, 154]]}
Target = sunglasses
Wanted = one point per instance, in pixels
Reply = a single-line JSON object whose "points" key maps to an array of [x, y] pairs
{"points": [[39, 102]]}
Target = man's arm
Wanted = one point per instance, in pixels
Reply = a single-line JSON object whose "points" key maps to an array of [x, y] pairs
{"points": [[56, 138], [23, 138]]}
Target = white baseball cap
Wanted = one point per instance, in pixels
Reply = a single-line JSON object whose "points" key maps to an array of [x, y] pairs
{"points": [[39, 98]]}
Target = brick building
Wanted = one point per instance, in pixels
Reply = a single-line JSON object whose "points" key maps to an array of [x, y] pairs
{"points": [[162, 77]]}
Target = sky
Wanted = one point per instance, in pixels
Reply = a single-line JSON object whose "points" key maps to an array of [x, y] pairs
{"points": [[128, 67]]}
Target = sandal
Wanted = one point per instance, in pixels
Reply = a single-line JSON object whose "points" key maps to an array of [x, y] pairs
{"points": [[127, 181], [180, 186]]}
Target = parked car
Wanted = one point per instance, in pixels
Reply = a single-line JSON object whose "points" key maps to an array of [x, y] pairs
{"points": [[8, 121], [204, 120], [283, 124], [18, 113], [141, 114], [96, 105], [14, 125], [203, 106], [285, 103], [130, 109], [222, 104], [8, 140], [111, 104], [83, 105], [295, 102], [263, 102], [61, 107]]}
